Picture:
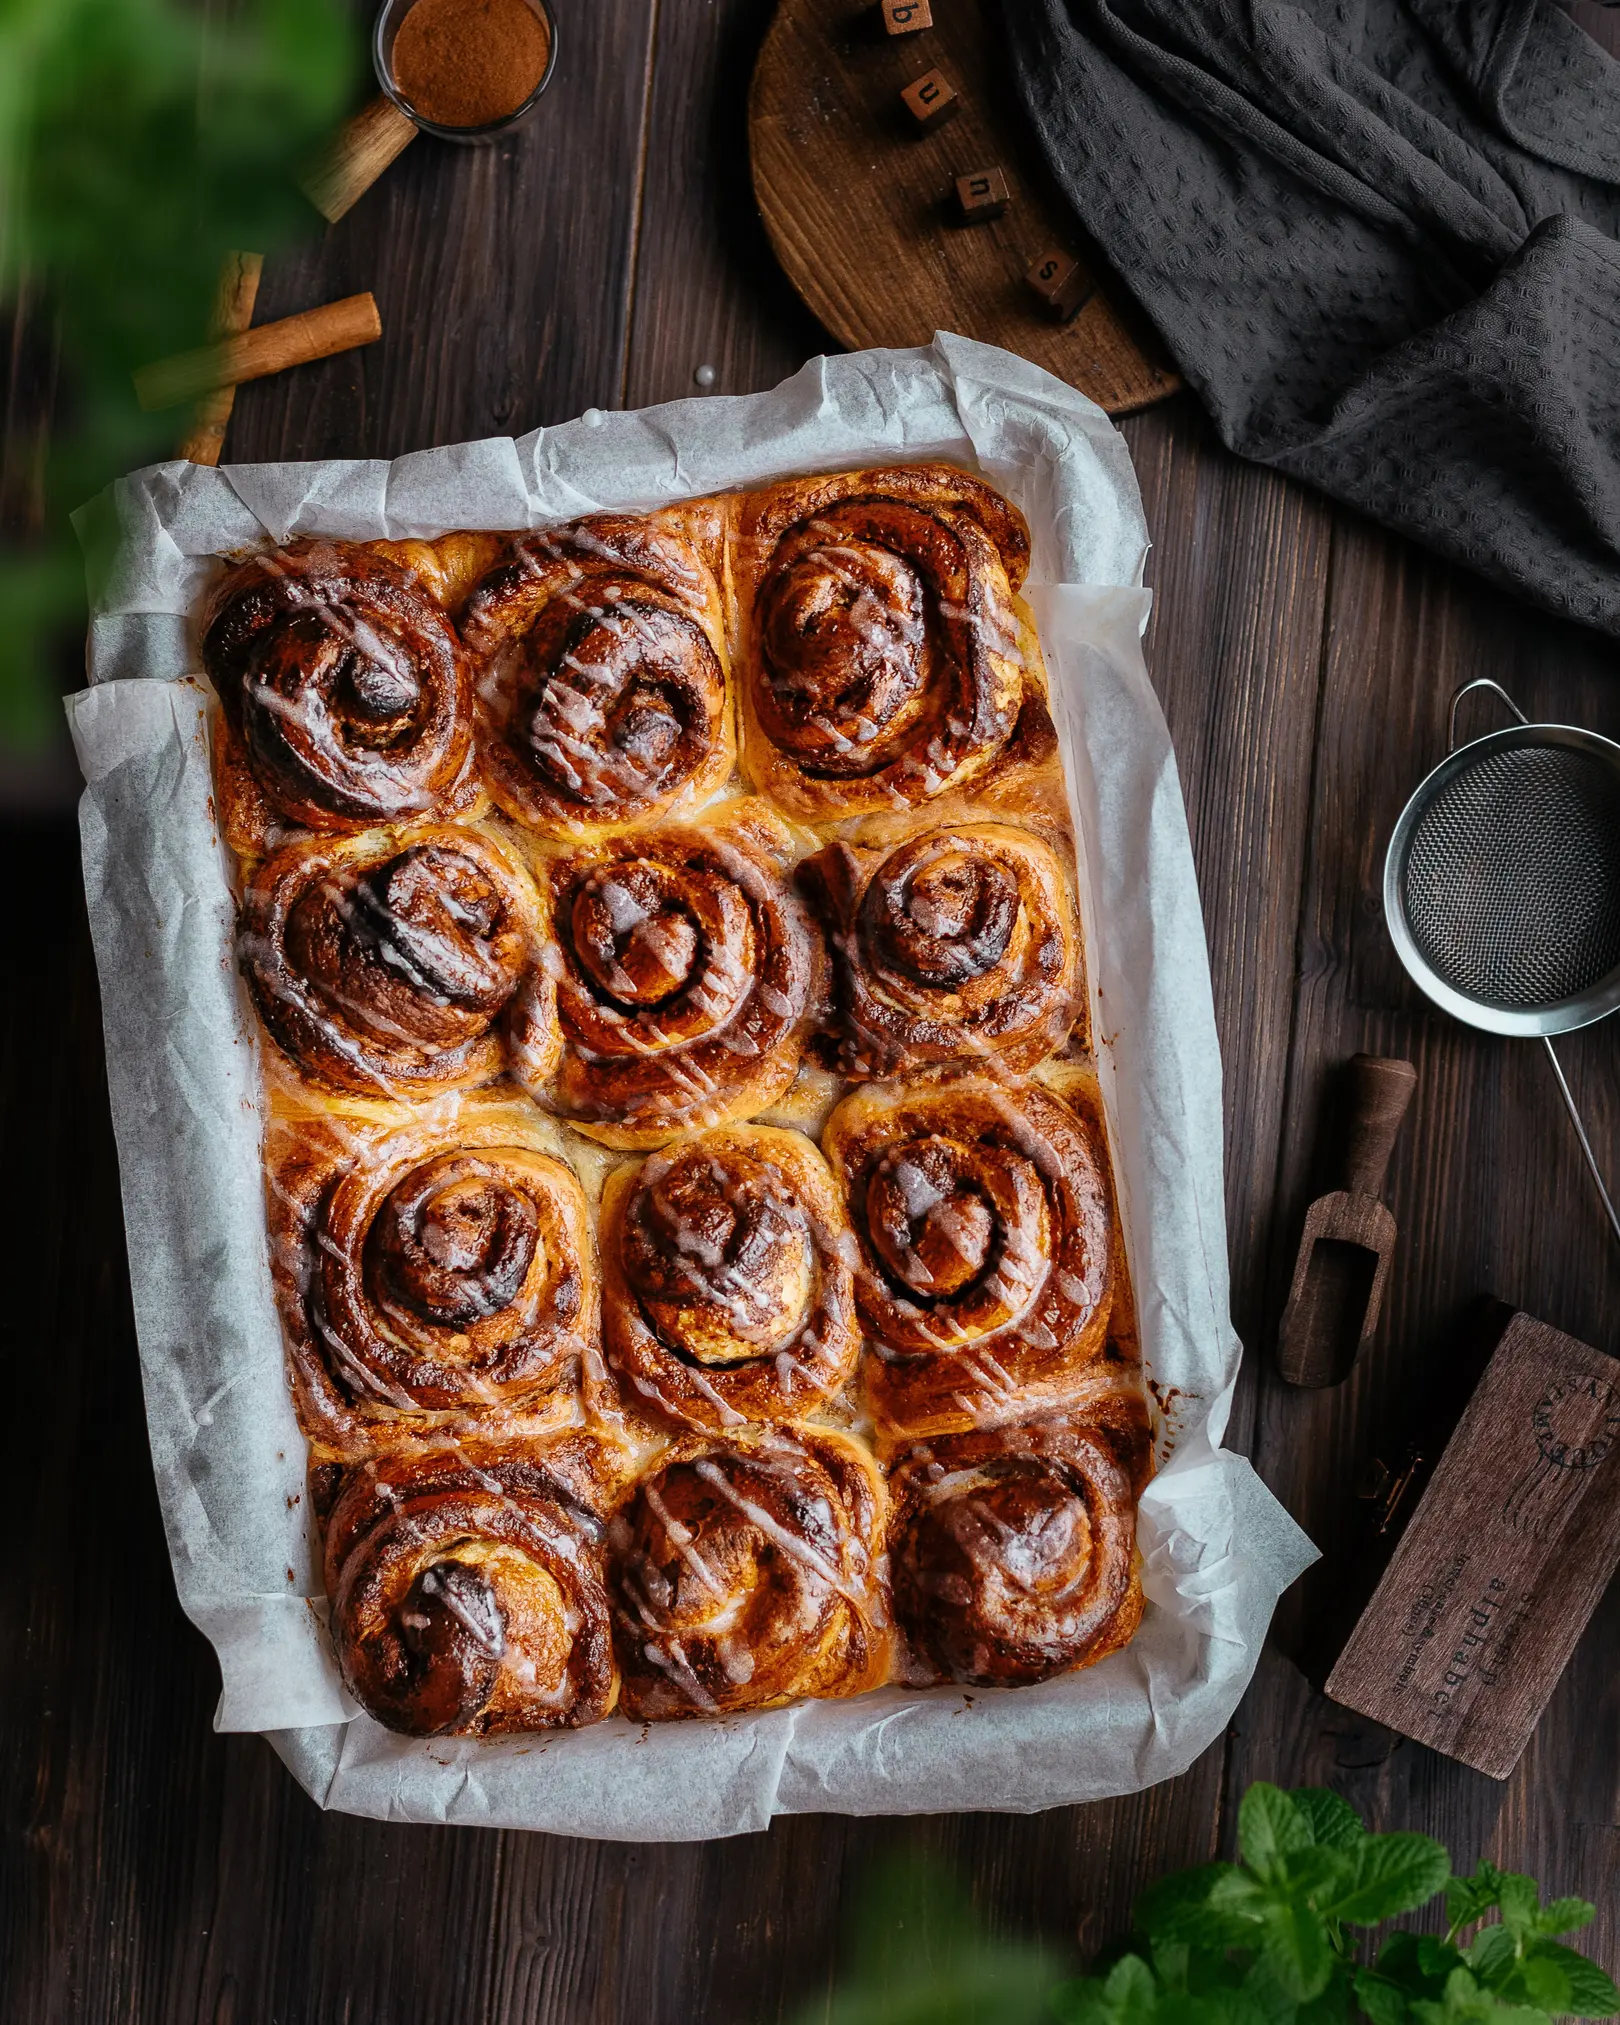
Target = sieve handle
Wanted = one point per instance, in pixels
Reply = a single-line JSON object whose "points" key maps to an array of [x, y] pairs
{"points": [[1380, 1089], [1580, 1133], [1468, 688]]}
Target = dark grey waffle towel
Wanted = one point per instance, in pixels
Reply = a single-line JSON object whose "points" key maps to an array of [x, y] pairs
{"points": [[1380, 237]]}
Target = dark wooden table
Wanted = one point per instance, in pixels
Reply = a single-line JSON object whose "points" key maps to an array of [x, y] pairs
{"points": [[152, 1870]]}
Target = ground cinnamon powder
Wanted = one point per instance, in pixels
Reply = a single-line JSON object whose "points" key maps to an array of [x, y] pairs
{"points": [[463, 63]]}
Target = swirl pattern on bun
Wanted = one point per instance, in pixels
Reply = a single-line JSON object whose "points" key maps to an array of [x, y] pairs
{"points": [[954, 944], [745, 1572], [345, 685], [468, 1592], [688, 977], [886, 662], [1013, 1549], [985, 1221], [440, 1276], [728, 1290], [602, 670], [397, 968]]}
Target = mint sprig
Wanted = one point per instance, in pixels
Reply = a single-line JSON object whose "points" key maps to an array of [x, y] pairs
{"points": [[1270, 1940], [1278, 1938]]}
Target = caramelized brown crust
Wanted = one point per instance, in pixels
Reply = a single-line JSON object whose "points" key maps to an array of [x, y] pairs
{"points": [[882, 663], [688, 977], [985, 1221], [396, 968], [602, 664], [449, 567], [528, 1478], [957, 943], [434, 1280], [746, 1571], [1013, 1549], [346, 687], [728, 1290], [467, 1588]]}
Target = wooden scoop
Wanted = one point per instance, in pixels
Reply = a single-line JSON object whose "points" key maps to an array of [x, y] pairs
{"points": [[1344, 1253]]}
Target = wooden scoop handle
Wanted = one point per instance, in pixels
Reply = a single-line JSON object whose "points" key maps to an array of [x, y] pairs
{"points": [[1380, 1089]]}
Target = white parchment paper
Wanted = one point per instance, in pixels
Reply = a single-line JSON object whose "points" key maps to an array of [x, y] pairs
{"points": [[181, 1049]]}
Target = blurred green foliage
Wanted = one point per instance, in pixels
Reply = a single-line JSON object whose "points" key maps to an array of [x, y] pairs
{"points": [[140, 141], [919, 1954], [1275, 1939]]}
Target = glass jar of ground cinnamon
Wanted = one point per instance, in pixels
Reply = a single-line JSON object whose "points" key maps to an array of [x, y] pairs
{"points": [[465, 69]]}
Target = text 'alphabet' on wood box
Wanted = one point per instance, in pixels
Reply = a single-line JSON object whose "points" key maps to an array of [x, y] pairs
{"points": [[1504, 1560]]}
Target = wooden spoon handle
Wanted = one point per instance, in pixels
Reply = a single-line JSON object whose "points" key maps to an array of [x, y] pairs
{"points": [[1380, 1090]]}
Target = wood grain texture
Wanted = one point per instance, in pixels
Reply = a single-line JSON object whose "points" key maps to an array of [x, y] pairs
{"points": [[1503, 1561], [153, 1871], [856, 186]]}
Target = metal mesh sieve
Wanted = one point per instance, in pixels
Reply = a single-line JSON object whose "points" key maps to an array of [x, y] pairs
{"points": [[1511, 884], [1502, 886]]}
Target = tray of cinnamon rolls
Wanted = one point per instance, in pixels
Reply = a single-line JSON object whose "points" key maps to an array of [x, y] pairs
{"points": [[659, 1032], [690, 1204]]}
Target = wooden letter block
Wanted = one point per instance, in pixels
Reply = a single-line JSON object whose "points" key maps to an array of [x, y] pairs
{"points": [[982, 195], [1504, 1560], [1061, 283], [931, 100], [905, 17]]}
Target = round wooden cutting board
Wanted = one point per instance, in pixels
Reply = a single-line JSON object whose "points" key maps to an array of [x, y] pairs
{"points": [[860, 205]]}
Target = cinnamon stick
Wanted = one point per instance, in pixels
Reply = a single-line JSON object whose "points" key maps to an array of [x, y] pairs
{"points": [[233, 312], [356, 156], [272, 348]]}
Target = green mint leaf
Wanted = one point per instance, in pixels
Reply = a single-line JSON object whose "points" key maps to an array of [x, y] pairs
{"points": [[1494, 1956], [1333, 1822], [1332, 2007], [1565, 1915], [1591, 1993], [1131, 1989], [1083, 2002], [1520, 1902], [1390, 1874], [1296, 1949], [1436, 1957], [1171, 1961], [1165, 1907], [1543, 1982], [1276, 2003], [1270, 1827], [1471, 1898], [1463, 2002], [1383, 2001]]}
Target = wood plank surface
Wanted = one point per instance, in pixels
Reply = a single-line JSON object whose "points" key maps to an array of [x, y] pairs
{"points": [[858, 196], [153, 1871]]}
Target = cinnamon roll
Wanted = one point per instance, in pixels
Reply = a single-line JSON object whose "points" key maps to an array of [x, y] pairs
{"points": [[398, 967], [984, 1216], [688, 976], [345, 687], [602, 668], [1013, 1550], [745, 1572], [727, 1279], [955, 943], [468, 1592], [439, 1278], [885, 661]]}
